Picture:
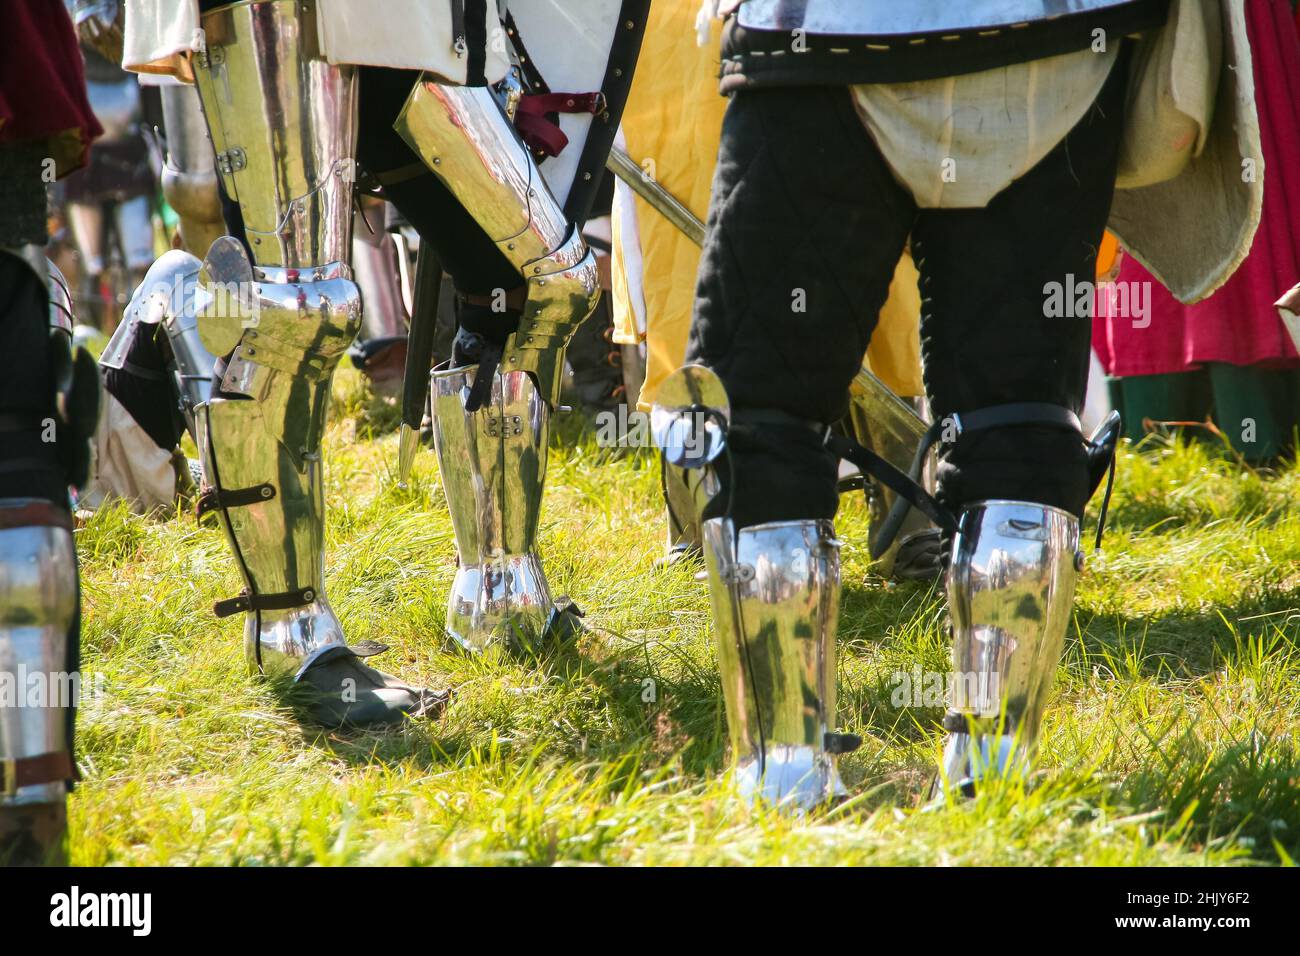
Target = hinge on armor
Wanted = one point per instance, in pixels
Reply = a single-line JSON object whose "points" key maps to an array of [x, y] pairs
{"points": [[506, 427], [232, 160], [209, 57]]}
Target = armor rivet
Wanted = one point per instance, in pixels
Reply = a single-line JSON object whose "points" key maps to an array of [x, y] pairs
{"points": [[630, 25], [618, 72], [586, 177], [266, 492], [309, 595], [437, 161]]}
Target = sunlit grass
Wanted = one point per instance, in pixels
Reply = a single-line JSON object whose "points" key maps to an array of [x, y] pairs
{"points": [[1170, 739]]}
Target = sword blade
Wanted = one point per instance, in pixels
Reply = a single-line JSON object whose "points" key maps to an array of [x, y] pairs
{"points": [[665, 203]]}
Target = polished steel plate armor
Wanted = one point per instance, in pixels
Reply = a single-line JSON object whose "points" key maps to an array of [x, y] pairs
{"points": [[877, 18], [1010, 597], [38, 604], [283, 123], [775, 592], [493, 467], [189, 176], [464, 137]]}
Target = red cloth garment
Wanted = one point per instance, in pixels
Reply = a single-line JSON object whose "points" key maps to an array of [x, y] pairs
{"points": [[1238, 324], [43, 82]]}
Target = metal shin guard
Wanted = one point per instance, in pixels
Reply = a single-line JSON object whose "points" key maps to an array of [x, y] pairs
{"points": [[775, 592], [1010, 595], [493, 467], [260, 441], [686, 493], [374, 262], [38, 683], [464, 137]]}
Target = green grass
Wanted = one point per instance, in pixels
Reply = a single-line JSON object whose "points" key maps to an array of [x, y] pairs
{"points": [[1169, 740]]}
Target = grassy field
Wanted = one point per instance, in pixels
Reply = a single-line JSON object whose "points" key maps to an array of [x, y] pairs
{"points": [[1170, 739]]}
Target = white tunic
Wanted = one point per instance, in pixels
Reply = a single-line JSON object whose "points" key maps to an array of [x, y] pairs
{"points": [[404, 34]]}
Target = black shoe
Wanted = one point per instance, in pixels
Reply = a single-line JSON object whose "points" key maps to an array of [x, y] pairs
{"points": [[339, 691]]}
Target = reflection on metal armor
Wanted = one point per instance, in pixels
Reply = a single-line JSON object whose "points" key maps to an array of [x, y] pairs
{"points": [[283, 122], [493, 467], [1010, 595], [853, 17], [890, 427], [374, 262], [775, 592], [38, 607], [167, 298], [189, 176], [464, 137]]}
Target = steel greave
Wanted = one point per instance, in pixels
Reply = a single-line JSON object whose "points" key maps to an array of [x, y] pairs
{"points": [[1010, 596], [775, 594], [38, 605], [493, 467], [283, 367]]}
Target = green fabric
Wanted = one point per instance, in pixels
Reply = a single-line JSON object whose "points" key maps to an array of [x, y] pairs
{"points": [[1258, 410]]}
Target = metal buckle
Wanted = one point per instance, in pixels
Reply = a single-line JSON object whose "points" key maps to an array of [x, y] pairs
{"points": [[8, 777]]}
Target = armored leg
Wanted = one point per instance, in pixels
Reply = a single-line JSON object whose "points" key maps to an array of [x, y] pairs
{"points": [[1010, 594], [492, 457], [775, 591], [380, 349], [493, 465], [282, 121], [889, 426], [189, 177], [686, 492], [38, 635], [44, 381]]}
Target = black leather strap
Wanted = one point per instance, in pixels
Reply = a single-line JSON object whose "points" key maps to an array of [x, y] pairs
{"points": [[956, 722], [219, 499], [896, 481], [281, 601], [959, 424]]}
